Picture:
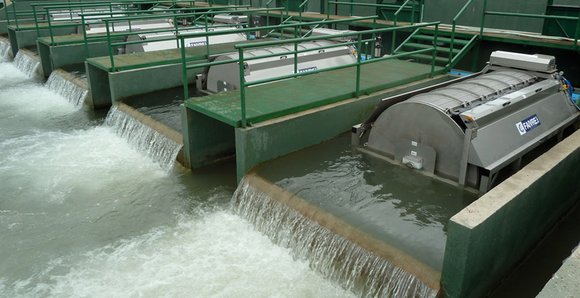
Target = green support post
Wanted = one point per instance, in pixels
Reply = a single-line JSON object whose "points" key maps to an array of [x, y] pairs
{"points": [[83, 23], [109, 46], [184, 70], [577, 32], [296, 58], [434, 53], [483, 11], [242, 86], [358, 60]]}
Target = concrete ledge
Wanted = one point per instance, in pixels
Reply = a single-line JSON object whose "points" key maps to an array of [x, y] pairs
{"points": [[57, 56], [565, 282], [111, 87], [22, 38], [490, 237], [155, 125]]}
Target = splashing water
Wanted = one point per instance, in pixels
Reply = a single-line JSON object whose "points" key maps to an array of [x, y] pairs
{"points": [[5, 52], [67, 89], [26, 64], [147, 140], [333, 256]]}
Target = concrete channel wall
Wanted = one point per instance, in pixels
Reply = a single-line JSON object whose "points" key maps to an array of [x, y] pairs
{"points": [[486, 240]]}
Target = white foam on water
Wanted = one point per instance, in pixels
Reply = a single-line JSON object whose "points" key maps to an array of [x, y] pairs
{"points": [[214, 255], [58, 163], [5, 52], [10, 75]]}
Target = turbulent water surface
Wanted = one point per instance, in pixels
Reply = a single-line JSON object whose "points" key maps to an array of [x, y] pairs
{"points": [[84, 213]]}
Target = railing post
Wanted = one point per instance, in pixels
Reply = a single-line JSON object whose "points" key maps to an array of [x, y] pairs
{"points": [[295, 58], [109, 45], [434, 53], [84, 25], [207, 51], [413, 12], [452, 42], [35, 20], [15, 17], [482, 19], [242, 86], [184, 69], [358, 60], [176, 27], [49, 27], [351, 8], [577, 32]]}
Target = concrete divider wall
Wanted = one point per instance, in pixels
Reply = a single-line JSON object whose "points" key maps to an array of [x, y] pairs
{"points": [[486, 240]]}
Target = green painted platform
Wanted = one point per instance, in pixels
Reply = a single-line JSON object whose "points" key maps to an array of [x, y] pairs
{"points": [[163, 57], [269, 101], [73, 39]]}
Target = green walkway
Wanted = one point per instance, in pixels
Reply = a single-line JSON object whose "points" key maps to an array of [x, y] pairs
{"points": [[269, 101], [163, 57]]}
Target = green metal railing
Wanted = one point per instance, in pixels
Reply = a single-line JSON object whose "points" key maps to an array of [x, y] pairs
{"points": [[110, 35], [51, 8], [380, 7], [486, 12], [98, 18], [241, 61], [396, 19], [453, 28]]}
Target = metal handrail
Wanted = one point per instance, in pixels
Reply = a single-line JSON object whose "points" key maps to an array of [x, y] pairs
{"points": [[241, 60], [528, 15], [352, 3], [453, 27], [99, 37], [252, 29], [396, 18], [111, 45]]}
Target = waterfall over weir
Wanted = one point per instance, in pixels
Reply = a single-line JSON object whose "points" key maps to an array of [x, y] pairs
{"points": [[26, 64], [66, 88], [146, 139], [5, 52], [339, 259]]}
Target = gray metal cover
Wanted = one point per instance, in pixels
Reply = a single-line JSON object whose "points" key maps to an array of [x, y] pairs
{"points": [[225, 77], [425, 119]]}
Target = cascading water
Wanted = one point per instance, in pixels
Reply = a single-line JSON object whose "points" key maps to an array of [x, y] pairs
{"points": [[145, 139], [26, 64], [328, 253], [85, 214], [67, 89], [5, 52]]}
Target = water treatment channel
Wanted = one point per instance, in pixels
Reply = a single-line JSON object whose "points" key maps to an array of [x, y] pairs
{"points": [[83, 213], [94, 206]]}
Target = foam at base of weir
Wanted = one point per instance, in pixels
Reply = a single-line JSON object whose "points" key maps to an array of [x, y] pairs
{"points": [[144, 138], [66, 88], [26, 64], [5, 52], [338, 259]]}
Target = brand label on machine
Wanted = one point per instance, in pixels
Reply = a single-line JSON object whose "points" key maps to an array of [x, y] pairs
{"points": [[528, 124], [307, 69], [197, 43]]}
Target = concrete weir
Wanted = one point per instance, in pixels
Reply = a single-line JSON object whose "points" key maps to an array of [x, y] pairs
{"points": [[487, 239], [154, 125], [380, 270]]}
